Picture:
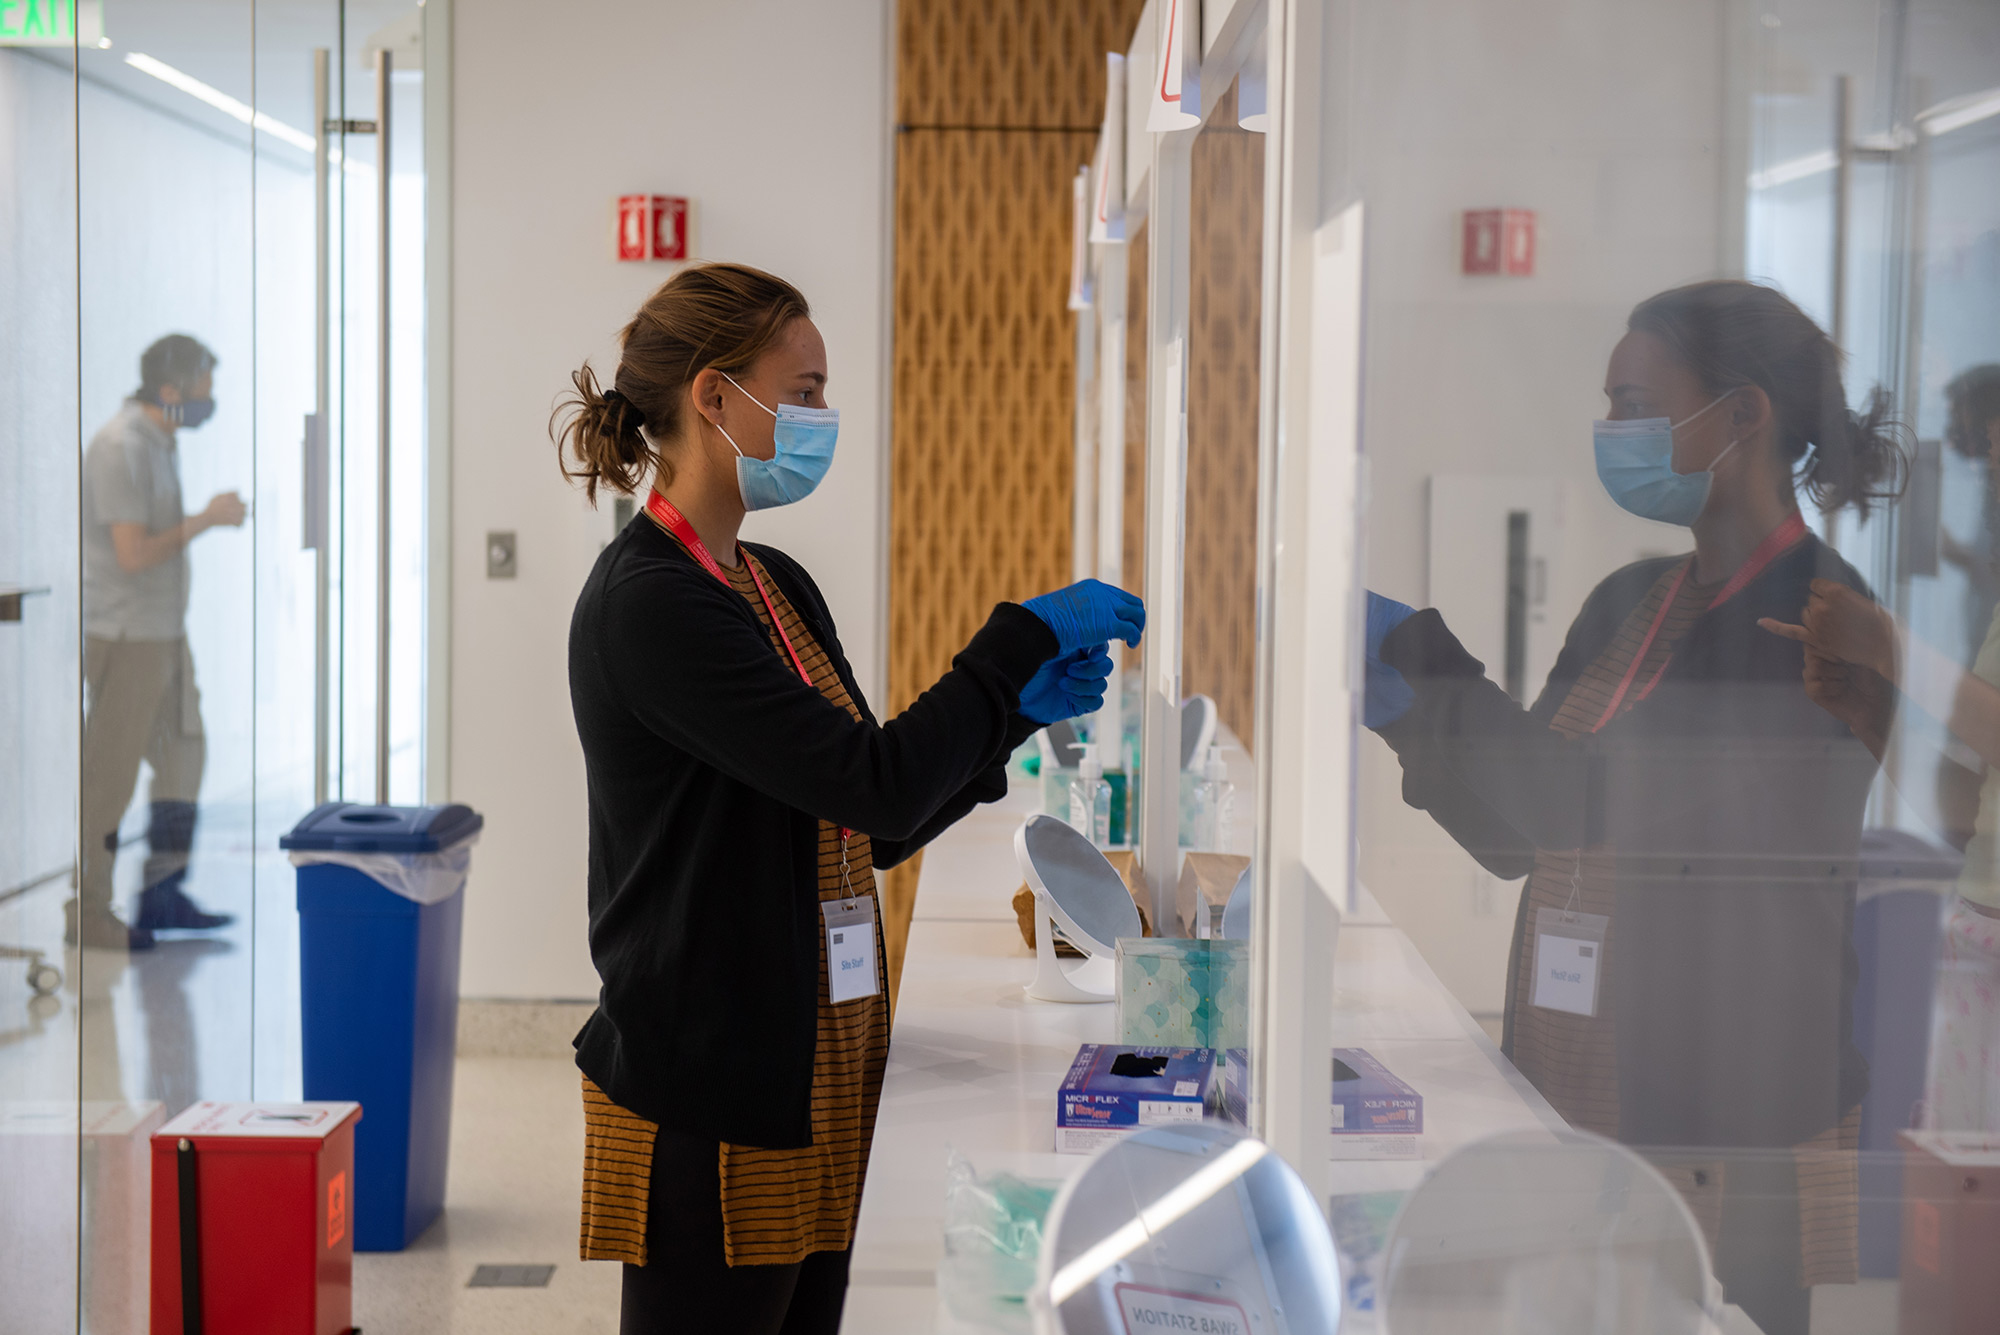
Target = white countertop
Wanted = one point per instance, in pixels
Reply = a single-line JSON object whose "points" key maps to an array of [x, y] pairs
{"points": [[974, 1065]]}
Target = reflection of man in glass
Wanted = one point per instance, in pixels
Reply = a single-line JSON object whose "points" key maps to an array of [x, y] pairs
{"points": [[140, 680], [1973, 430], [1962, 1084]]}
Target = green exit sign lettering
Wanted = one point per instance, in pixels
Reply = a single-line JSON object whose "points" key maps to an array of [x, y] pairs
{"points": [[51, 22]]}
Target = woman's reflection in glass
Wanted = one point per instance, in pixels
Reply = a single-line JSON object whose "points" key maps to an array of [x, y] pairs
{"points": [[1688, 820]]}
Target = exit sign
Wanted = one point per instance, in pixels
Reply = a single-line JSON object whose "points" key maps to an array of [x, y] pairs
{"points": [[51, 22]]}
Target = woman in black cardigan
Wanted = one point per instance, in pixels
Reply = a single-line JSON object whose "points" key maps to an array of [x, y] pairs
{"points": [[1682, 969], [740, 796]]}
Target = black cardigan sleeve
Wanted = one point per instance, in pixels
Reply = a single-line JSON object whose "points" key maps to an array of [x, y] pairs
{"points": [[1431, 784], [696, 666], [989, 784], [1494, 775]]}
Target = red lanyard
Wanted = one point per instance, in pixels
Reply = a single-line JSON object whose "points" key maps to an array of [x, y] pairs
{"points": [[674, 522], [662, 509], [1781, 540]]}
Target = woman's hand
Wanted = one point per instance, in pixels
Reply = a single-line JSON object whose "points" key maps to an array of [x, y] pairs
{"points": [[1067, 686], [1844, 626], [1384, 615], [1089, 612], [1859, 697], [1386, 697]]}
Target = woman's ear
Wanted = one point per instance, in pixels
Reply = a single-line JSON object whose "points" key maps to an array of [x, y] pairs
{"points": [[705, 392], [1749, 411]]}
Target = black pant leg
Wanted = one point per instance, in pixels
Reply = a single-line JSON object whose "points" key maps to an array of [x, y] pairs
{"points": [[820, 1295], [1757, 1254], [686, 1284]]}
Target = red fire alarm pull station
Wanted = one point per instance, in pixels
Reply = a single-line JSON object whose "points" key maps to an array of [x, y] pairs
{"points": [[652, 227], [1498, 241], [670, 227], [635, 227]]}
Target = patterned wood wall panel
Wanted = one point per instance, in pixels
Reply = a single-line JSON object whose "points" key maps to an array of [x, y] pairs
{"points": [[983, 375], [1022, 63], [1219, 646]]}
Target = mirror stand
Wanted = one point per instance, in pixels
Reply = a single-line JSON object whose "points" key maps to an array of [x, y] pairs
{"points": [[1052, 982]]}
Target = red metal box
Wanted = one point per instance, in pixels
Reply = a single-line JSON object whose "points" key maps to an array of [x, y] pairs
{"points": [[1951, 1233], [274, 1243]]}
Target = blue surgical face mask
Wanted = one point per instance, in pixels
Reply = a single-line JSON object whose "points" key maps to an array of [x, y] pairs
{"points": [[804, 438], [1635, 462], [188, 413]]}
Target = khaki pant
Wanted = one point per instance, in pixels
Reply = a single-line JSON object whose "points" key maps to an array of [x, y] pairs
{"points": [[143, 705]]}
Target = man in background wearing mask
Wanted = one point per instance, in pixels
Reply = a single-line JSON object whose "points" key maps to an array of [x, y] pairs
{"points": [[142, 701]]}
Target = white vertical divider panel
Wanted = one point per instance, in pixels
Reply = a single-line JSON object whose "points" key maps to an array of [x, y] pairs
{"points": [[1300, 667], [1083, 500], [1168, 226], [1110, 300]]}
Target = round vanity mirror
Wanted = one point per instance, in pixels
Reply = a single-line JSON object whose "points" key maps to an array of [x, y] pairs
{"points": [[1236, 914], [1195, 1227], [1078, 890], [1558, 1233], [1057, 745], [1197, 730]]}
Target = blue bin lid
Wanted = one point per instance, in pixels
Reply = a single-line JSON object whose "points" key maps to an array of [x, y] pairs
{"points": [[353, 828]]}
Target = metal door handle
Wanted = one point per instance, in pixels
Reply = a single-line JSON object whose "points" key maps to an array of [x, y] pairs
{"points": [[382, 137], [317, 465]]}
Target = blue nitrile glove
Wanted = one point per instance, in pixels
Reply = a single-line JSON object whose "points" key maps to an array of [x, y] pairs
{"points": [[1384, 615], [1089, 612], [1386, 697], [1067, 686]]}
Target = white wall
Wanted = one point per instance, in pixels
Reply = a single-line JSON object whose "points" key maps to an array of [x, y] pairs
{"points": [[1607, 119], [772, 116]]}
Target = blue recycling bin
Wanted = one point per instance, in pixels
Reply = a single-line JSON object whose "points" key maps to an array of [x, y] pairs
{"points": [[379, 923]]}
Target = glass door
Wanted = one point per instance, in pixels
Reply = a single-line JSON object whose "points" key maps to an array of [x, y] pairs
{"points": [[1874, 148], [216, 341]]}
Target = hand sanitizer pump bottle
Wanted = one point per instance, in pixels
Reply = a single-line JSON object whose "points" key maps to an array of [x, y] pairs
{"points": [[1090, 799], [1217, 803]]}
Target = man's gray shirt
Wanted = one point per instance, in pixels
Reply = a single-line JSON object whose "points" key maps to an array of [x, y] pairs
{"points": [[130, 476]]}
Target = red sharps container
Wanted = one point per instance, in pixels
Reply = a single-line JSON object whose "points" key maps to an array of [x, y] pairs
{"points": [[252, 1220]]}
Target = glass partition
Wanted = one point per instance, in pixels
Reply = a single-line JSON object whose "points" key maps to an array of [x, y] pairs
{"points": [[1219, 563], [1201, 475], [1674, 403], [160, 588], [40, 679]]}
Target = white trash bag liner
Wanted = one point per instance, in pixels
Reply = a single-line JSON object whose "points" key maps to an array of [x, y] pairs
{"points": [[426, 878]]}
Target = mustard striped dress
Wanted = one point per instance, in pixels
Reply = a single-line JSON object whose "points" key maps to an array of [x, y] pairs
{"points": [[1573, 1059], [778, 1206]]}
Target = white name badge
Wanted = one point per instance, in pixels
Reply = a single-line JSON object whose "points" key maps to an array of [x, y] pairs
{"points": [[850, 948], [1569, 960]]}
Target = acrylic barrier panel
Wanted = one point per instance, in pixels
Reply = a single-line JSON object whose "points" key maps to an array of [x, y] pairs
{"points": [[1678, 420], [1115, 730], [41, 704], [1219, 646]]}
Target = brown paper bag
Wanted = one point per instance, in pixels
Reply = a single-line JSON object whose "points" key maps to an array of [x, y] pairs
{"points": [[1206, 882]]}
